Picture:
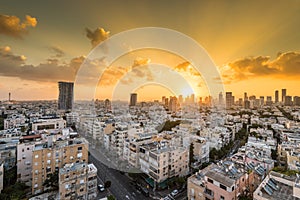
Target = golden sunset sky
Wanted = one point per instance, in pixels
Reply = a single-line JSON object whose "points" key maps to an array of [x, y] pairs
{"points": [[254, 44]]}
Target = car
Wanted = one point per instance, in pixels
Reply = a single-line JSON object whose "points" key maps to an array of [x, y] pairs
{"points": [[174, 193], [166, 198], [101, 188]]}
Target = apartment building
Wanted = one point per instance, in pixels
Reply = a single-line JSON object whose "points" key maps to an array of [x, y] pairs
{"points": [[24, 162], [78, 181], [225, 181], [1, 174], [48, 124], [278, 186], [49, 156], [161, 162]]}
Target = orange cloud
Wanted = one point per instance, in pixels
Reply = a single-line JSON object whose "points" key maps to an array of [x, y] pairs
{"points": [[12, 25], [285, 65], [97, 36]]}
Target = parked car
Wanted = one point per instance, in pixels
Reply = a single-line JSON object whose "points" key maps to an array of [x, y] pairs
{"points": [[174, 193], [101, 188]]}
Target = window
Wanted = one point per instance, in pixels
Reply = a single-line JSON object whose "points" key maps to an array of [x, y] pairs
{"points": [[79, 148], [79, 155], [36, 156], [82, 181], [36, 163], [232, 188], [223, 187], [49, 155], [210, 180], [48, 162], [222, 198]]}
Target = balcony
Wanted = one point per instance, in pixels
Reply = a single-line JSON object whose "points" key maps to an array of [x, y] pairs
{"points": [[208, 193]]}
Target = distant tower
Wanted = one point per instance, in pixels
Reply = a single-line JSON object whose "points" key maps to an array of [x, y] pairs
{"points": [[221, 99], [133, 99], [66, 95], [173, 104], [245, 96], [229, 99], [9, 97], [276, 96], [283, 95]]}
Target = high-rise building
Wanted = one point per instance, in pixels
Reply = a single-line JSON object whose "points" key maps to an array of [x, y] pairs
{"points": [[283, 95], [288, 101], [229, 99], [66, 95], [192, 99], [269, 101], [180, 99], [133, 99], [173, 104], [245, 96], [276, 96], [296, 101], [261, 100], [221, 99], [247, 104]]}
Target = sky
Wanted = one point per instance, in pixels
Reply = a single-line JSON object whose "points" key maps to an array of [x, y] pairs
{"points": [[255, 45]]}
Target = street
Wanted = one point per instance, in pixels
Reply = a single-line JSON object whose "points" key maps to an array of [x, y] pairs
{"points": [[120, 184]]}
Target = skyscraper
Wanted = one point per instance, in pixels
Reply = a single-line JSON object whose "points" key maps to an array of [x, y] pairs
{"points": [[276, 96], [133, 99], [66, 95], [229, 99], [221, 99], [283, 95], [245, 96]]}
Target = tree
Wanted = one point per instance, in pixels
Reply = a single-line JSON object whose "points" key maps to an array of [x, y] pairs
{"points": [[191, 160], [111, 197], [52, 181], [107, 184]]}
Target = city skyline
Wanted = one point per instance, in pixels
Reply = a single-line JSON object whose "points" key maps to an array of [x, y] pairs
{"points": [[253, 46]]}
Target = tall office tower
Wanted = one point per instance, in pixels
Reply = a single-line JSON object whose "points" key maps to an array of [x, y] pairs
{"points": [[288, 101], [192, 99], [173, 104], [133, 99], [247, 104], [229, 99], [9, 95], [283, 95], [245, 96], [221, 99], [180, 99], [269, 101], [252, 97], [166, 102], [296, 101], [276, 96], [66, 95], [163, 99], [261, 100], [240, 102]]}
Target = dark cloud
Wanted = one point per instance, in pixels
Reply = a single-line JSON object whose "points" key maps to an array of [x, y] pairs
{"points": [[50, 70], [97, 36], [12, 25], [58, 52], [285, 65]]}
